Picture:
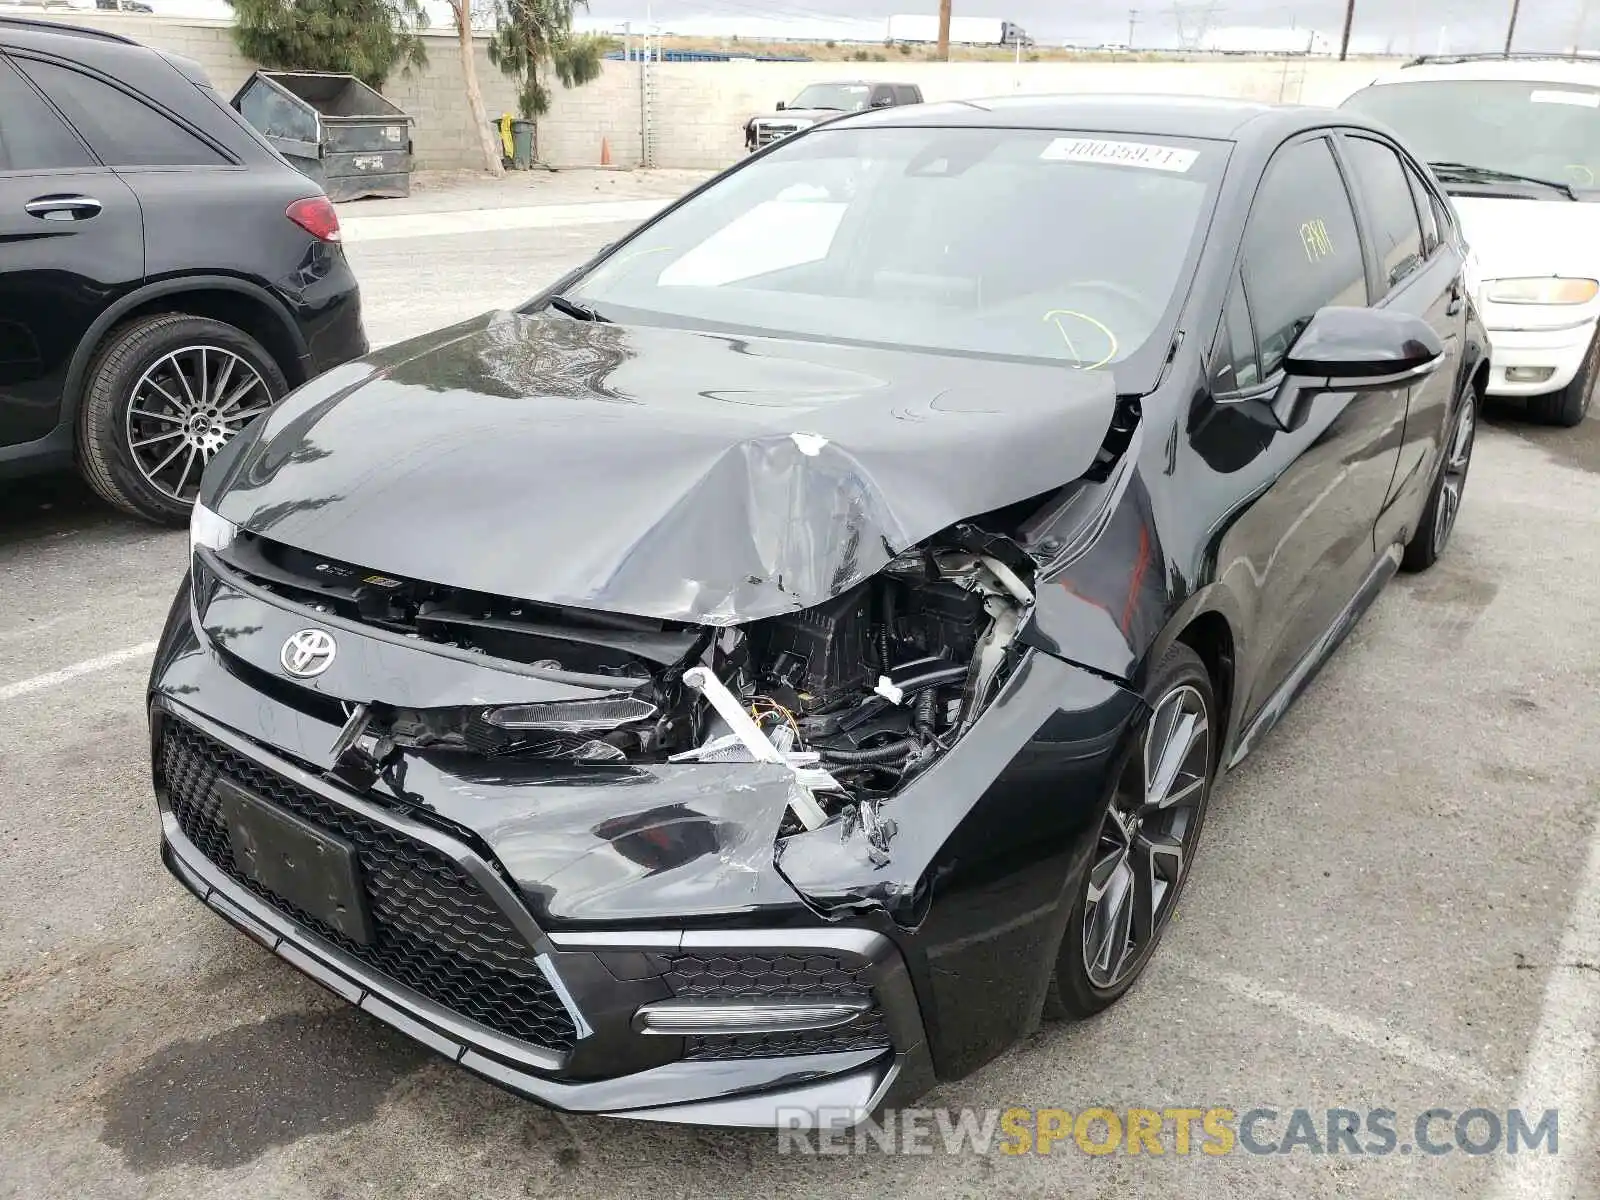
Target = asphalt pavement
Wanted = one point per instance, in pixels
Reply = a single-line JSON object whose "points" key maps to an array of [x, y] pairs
{"points": [[1396, 904]]}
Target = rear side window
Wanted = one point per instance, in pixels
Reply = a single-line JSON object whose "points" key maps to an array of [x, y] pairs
{"points": [[1396, 234], [1425, 210], [905, 94], [32, 138], [1301, 249], [121, 130]]}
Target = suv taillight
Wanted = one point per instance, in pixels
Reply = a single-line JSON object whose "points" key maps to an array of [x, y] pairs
{"points": [[317, 216]]}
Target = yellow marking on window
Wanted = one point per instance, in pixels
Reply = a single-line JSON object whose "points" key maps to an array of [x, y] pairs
{"points": [[1315, 240], [1073, 350]]}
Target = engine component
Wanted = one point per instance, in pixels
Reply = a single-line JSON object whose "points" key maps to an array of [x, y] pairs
{"points": [[822, 652]]}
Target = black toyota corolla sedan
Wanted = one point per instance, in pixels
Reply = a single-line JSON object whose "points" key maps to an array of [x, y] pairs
{"points": [[768, 672]]}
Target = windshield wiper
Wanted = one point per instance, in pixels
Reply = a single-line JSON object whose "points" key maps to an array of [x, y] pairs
{"points": [[1469, 171], [573, 309]]}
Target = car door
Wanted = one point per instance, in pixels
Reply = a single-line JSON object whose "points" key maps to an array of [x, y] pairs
{"points": [[71, 240], [1304, 545], [1417, 274]]}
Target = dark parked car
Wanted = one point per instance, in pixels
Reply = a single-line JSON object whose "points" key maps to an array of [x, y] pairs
{"points": [[164, 275], [823, 102], [762, 677]]}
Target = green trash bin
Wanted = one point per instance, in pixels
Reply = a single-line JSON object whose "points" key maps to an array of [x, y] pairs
{"points": [[522, 144], [521, 156]]}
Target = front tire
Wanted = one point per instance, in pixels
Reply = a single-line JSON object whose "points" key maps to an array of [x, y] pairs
{"points": [[162, 396], [1570, 405], [1144, 843]]}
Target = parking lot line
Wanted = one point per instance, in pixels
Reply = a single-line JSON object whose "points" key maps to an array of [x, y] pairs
{"points": [[89, 666], [1351, 1028], [1563, 1067]]}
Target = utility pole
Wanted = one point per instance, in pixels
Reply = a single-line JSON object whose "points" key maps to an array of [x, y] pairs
{"points": [[1511, 26], [944, 30], [1133, 19], [1349, 20]]}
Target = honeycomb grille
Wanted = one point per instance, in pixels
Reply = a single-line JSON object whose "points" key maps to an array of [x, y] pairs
{"points": [[735, 976], [435, 931], [777, 976], [869, 1033]]}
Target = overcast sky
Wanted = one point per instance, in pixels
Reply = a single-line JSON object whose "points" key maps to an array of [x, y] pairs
{"points": [[1402, 26]]}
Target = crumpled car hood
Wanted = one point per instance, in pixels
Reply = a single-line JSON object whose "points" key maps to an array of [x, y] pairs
{"points": [[656, 472]]}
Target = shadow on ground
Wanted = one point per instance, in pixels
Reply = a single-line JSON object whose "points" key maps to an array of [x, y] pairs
{"points": [[222, 1101]]}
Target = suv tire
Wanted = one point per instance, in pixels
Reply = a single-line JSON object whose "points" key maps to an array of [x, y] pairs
{"points": [[177, 412]]}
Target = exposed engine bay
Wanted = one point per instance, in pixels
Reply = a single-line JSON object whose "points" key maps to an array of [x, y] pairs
{"points": [[856, 696]]}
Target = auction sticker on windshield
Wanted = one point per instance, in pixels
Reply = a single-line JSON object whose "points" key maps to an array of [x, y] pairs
{"points": [[1127, 154], [1581, 99]]}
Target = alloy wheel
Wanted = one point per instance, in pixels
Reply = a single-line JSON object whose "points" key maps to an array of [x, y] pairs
{"points": [[1453, 480], [187, 406], [1147, 839]]}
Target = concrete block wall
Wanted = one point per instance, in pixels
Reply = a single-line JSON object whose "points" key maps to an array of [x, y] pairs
{"points": [[702, 107], [699, 109]]}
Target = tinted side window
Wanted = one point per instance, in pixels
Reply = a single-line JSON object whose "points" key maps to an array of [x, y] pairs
{"points": [[1396, 235], [905, 94], [122, 131], [1238, 367], [32, 138], [1424, 202], [1301, 250]]}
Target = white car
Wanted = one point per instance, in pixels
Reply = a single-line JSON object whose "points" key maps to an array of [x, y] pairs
{"points": [[1515, 140]]}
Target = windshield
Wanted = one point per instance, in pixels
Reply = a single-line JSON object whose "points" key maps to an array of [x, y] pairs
{"points": [[1024, 243], [846, 97], [1545, 130]]}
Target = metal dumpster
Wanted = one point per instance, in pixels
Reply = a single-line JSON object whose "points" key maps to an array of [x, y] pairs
{"points": [[334, 129]]}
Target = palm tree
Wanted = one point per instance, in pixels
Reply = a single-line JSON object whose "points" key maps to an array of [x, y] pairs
{"points": [[534, 36]]}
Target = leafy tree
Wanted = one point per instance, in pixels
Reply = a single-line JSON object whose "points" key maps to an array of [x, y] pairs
{"points": [[534, 39], [364, 38]]}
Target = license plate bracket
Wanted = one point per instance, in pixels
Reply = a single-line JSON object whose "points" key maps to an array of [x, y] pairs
{"points": [[305, 866]]}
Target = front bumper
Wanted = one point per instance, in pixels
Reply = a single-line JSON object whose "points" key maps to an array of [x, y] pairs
{"points": [[798, 1090], [1562, 350]]}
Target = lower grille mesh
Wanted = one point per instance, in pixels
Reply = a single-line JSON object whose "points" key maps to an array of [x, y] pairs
{"points": [[735, 976], [435, 930]]}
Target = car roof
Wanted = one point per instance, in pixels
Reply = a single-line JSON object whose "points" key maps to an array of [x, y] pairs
{"points": [[39, 27], [1529, 68], [1165, 116]]}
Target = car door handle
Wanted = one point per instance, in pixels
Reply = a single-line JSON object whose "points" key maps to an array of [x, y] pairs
{"points": [[63, 208], [1454, 306]]}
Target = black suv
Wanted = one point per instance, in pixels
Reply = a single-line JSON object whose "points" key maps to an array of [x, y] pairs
{"points": [[164, 275]]}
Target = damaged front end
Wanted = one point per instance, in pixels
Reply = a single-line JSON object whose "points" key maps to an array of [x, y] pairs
{"points": [[736, 686], [854, 697]]}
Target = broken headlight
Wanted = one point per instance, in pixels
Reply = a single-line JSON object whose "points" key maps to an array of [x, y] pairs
{"points": [[207, 529], [598, 715]]}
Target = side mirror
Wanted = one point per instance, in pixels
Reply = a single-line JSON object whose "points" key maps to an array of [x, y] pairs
{"points": [[882, 102], [1353, 349], [781, 106]]}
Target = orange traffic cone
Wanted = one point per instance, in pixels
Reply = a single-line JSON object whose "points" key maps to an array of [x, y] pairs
{"points": [[605, 152]]}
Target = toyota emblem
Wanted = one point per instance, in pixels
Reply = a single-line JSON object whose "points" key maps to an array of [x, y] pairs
{"points": [[308, 653]]}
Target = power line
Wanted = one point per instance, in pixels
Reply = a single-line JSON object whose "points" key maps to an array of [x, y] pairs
{"points": [[1511, 26]]}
